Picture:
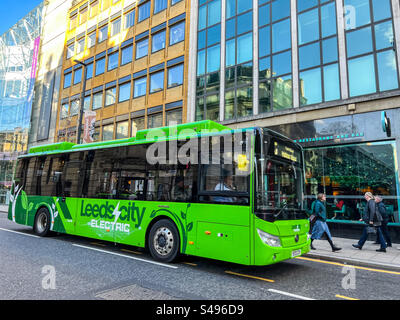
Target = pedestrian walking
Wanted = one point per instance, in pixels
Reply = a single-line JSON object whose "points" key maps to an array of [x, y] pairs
{"points": [[384, 227], [320, 226], [372, 218]]}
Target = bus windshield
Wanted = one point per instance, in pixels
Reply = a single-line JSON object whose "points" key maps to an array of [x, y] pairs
{"points": [[280, 181]]}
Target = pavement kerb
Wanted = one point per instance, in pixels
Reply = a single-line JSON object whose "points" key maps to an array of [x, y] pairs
{"points": [[355, 262]]}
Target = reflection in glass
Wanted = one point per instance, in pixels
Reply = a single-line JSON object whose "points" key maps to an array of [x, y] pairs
{"points": [[362, 13], [387, 70], [331, 82], [282, 63], [282, 93], [329, 50], [108, 132], [309, 56], [264, 95], [308, 26], [346, 172], [359, 42], [212, 107], [362, 76], [384, 35], [310, 84], [281, 36]]}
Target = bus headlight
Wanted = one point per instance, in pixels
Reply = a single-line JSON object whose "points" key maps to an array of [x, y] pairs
{"points": [[269, 239]]}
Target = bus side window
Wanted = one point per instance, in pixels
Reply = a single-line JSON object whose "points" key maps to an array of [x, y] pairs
{"points": [[21, 172]]}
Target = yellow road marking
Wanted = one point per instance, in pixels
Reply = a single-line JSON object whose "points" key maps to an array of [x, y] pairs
{"points": [[130, 251], [248, 276], [190, 264], [348, 265], [344, 297], [98, 244]]}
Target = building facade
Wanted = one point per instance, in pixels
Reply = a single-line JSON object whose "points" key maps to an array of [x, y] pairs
{"points": [[48, 79], [136, 57], [323, 72], [19, 48]]}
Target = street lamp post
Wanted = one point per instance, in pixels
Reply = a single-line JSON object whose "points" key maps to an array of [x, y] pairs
{"points": [[81, 103]]}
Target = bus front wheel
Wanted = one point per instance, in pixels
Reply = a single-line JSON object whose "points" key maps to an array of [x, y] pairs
{"points": [[164, 241], [42, 222]]}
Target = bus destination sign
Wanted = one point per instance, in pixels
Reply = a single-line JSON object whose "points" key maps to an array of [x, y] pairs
{"points": [[283, 151]]}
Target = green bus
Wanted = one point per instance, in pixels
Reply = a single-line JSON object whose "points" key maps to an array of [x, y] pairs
{"points": [[197, 189]]}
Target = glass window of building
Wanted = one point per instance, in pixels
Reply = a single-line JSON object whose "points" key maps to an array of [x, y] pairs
{"points": [[176, 33], [89, 71], [113, 60], [86, 103], [80, 45], [346, 172], [173, 117], [126, 55], [91, 40], [129, 19], [173, 2], [155, 120], [111, 95], [100, 66], [372, 64], [124, 92], [108, 132], [144, 11], [156, 81], [77, 76], [160, 5], [142, 48], [122, 130], [208, 60], [140, 87], [175, 76], [97, 101], [67, 80], [70, 50], [115, 27], [74, 107], [137, 125], [318, 52], [158, 41], [64, 110], [103, 33], [275, 56]]}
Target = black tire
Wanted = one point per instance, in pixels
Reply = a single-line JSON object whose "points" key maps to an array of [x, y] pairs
{"points": [[164, 241], [42, 223]]}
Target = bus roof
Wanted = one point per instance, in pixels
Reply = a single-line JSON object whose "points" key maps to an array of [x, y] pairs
{"points": [[144, 136]]}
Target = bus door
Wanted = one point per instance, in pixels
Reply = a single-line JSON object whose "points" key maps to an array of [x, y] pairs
{"points": [[223, 214]]}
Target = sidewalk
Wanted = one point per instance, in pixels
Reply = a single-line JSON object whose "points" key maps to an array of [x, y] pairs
{"points": [[367, 257]]}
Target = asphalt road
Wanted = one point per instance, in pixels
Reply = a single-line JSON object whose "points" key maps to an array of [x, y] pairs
{"points": [[68, 268]]}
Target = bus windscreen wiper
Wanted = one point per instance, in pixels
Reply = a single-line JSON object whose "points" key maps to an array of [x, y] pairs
{"points": [[284, 207]]}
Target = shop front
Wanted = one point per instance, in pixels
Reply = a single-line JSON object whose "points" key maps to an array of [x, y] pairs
{"points": [[347, 156]]}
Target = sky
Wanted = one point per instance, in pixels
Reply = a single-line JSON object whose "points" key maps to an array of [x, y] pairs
{"points": [[11, 11]]}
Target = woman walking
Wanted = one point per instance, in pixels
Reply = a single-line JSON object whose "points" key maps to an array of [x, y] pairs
{"points": [[320, 227], [371, 218]]}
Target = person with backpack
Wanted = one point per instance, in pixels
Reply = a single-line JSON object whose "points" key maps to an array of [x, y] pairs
{"points": [[384, 228], [372, 218], [320, 226]]}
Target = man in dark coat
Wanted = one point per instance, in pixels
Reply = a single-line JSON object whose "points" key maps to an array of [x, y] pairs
{"points": [[371, 218], [384, 228]]}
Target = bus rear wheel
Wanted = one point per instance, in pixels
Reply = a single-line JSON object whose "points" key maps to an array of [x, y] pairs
{"points": [[163, 241], [42, 223]]}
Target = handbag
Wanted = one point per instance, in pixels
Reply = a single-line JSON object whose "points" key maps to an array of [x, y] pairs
{"points": [[313, 218]]}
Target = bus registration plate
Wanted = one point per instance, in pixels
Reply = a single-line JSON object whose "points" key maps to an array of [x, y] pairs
{"points": [[296, 253]]}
